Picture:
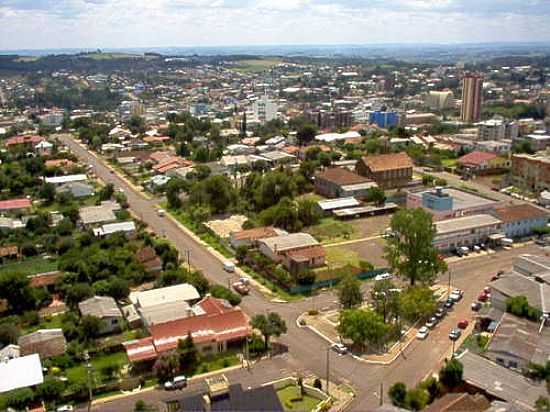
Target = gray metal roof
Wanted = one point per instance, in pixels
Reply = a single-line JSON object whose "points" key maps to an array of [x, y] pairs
{"points": [[465, 223]]}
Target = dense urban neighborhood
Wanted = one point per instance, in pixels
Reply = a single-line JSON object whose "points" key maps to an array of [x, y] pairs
{"points": [[270, 233]]}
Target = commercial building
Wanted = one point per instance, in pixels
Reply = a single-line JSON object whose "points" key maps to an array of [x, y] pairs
{"points": [[539, 140], [265, 109], [439, 100], [497, 129], [447, 203], [416, 119], [389, 171], [330, 119], [479, 163], [340, 182], [384, 120], [531, 172], [520, 220], [465, 231], [472, 89]]}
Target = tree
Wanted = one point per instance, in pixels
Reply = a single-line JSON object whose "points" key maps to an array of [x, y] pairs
{"points": [[136, 124], [308, 212], [417, 399], [221, 292], [519, 306], [386, 298], [306, 134], [376, 195], [188, 354], [542, 404], [19, 399], [15, 288], [397, 394], [90, 327], [106, 192], [141, 406], [270, 325], [450, 374], [216, 192], [363, 327], [417, 303], [47, 192], [9, 333], [349, 292], [50, 390], [166, 366], [411, 253], [77, 293]]}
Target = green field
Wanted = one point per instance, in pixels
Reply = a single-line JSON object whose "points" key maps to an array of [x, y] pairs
{"points": [[330, 230], [340, 256], [256, 65], [78, 373], [289, 398], [30, 266]]}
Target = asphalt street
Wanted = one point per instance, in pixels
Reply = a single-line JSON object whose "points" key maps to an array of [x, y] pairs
{"points": [[307, 352]]}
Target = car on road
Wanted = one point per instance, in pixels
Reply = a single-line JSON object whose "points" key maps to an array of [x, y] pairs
{"points": [[383, 276], [431, 322], [241, 288], [65, 408], [455, 334], [339, 348], [456, 295], [463, 324], [112, 171], [449, 303], [476, 306], [422, 333], [229, 266], [483, 297], [178, 382], [161, 212]]}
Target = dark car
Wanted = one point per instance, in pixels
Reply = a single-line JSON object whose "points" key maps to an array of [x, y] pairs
{"points": [[449, 303], [476, 306], [455, 334], [440, 313]]}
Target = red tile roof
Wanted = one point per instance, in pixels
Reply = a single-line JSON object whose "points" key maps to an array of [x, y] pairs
{"points": [[15, 204], [476, 158], [392, 161], [255, 233], [520, 212], [45, 279], [341, 176], [24, 139], [58, 163], [307, 253], [140, 350]]}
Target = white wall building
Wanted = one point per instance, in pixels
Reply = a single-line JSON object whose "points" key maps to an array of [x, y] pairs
{"points": [[265, 109]]}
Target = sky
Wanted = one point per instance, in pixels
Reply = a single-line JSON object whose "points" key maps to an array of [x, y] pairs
{"points": [[43, 24]]}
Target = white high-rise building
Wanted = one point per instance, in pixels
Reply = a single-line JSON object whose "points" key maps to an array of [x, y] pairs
{"points": [[265, 109]]}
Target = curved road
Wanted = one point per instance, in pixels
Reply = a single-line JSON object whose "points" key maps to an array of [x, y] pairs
{"points": [[307, 351]]}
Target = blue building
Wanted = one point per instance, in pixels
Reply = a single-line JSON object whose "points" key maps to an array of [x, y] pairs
{"points": [[384, 120], [520, 220], [437, 200]]}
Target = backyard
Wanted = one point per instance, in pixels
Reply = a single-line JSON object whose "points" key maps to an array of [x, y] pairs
{"points": [[30, 266], [330, 230], [292, 400]]}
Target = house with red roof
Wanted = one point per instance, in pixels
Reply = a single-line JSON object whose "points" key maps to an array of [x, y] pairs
{"points": [[28, 141], [14, 205], [483, 163], [214, 326]]}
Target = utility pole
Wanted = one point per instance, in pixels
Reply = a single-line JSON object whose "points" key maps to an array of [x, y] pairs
{"points": [[449, 286], [381, 393], [328, 370], [188, 260], [89, 378]]}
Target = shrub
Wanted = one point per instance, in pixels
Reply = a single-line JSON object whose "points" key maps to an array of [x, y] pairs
{"points": [[317, 384]]}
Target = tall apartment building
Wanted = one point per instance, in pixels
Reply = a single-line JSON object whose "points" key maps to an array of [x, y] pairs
{"points": [[383, 119], [496, 129], [331, 119], [472, 88], [531, 172], [265, 109]]}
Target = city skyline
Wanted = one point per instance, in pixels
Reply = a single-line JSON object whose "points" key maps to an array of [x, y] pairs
{"points": [[125, 23]]}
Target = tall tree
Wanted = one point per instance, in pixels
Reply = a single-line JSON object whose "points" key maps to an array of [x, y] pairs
{"points": [[385, 296], [417, 303], [397, 394], [411, 253], [349, 292], [306, 134], [363, 327], [450, 374], [270, 325], [243, 125], [188, 354]]}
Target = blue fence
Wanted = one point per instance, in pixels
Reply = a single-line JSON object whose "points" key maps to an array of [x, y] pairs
{"points": [[304, 289]]}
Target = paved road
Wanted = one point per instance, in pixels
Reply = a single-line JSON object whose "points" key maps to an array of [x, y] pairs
{"points": [[307, 351]]}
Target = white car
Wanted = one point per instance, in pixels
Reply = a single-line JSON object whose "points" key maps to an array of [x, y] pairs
{"points": [[65, 408], [178, 382], [422, 333], [383, 276], [430, 324], [339, 348]]}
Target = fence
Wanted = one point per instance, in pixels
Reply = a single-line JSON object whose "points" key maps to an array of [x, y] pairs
{"points": [[304, 289]]}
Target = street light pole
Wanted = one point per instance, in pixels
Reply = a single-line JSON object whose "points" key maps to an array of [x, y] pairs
{"points": [[328, 370], [188, 260], [89, 380], [449, 286]]}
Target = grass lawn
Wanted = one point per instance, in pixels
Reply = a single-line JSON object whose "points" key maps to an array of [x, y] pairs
{"points": [[30, 266], [307, 403], [281, 293], [449, 162], [214, 363], [256, 65], [475, 343], [78, 373], [52, 322], [340, 256], [330, 230]]}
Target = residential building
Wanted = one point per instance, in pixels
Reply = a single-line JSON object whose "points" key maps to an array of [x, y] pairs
{"points": [[497, 382], [531, 172], [46, 342], [446, 203], [538, 141], [459, 402], [384, 119], [340, 182], [520, 220], [178, 293], [250, 237], [78, 190], [465, 231], [500, 147], [389, 171], [330, 119], [221, 396], [479, 163], [439, 100], [28, 142], [104, 308], [497, 129], [20, 372], [215, 327], [148, 257], [416, 119], [15, 205], [517, 342], [265, 109], [95, 215], [128, 228], [296, 251], [472, 95], [530, 277]]}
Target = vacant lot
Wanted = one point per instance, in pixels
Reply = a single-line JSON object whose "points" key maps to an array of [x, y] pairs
{"points": [[370, 226], [370, 250], [256, 65], [330, 230], [30, 266]]}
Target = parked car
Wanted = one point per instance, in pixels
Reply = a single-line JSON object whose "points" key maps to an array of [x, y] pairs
{"points": [[178, 382], [456, 295], [65, 408], [462, 251], [449, 303], [431, 322], [161, 212], [463, 324], [440, 313], [487, 290], [229, 266], [422, 333], [241, 288], [476, 306], [455, 334], [483, 297], [339, 348], [244, 281], [383, 276]]}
